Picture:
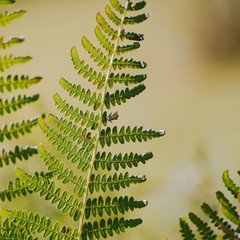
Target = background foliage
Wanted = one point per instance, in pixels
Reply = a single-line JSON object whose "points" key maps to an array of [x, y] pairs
{"points": [[192, 50]]}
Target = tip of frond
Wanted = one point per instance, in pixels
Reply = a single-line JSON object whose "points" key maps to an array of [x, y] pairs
{"points": [[6, 213], [161, 132]]}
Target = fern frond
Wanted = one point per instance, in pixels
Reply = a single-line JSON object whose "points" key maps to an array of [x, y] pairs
{"points": [[16, 103], [125, 79], [205, 231], [228, 209], [40, 224], [118, 7], [57, 168], [9, 230], [16, 129], [106, 27], [81, 155], [18, 154], [108, 160], [96, 54], [230, 185], [119, 97], [127, 48], [104, 228], [98, 206], [136, 19], [103, 40], [137, 6], [13, 190], [113, 182], [83, 95], [86, 71], [6, 2], [112, 16], [121, 63], [132, 36], [17, 188], [65, 202], [8, 61], [85, 118], [186, 231], [7, 17], [17, 82], [78, 135], [217, 221], [109, 47], [109, 136], [10, 42]]}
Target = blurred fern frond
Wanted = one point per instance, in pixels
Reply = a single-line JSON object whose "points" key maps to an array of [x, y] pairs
{"points": [[16, 85], [224, 225]]}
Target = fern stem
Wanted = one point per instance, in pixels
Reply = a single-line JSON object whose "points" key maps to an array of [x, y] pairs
{"points": [[95, 150]]}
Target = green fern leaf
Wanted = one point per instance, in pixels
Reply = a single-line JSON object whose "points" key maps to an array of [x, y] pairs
{"points": [[117, 6], [109, 136], [218, 222], [8, 61], [18, 154], [6, 2], [127, 48], [117, 161], [16, 103], [6, 17], [132, 36], [104, 228], [136, 19], [96, 54], [16, 129], [85, 96], [13, 190], [186, 232], [106, 27], [86, 71], [17, 82], [80, 134], [81, 155], [85, 118], [58, 169], [10, 42], [114, 182], [125, 79], [120, 97], [40, 224], [9, 230], [65, 202], [137, 6], [17, 188], [104, 41], [112, 16], [228, 209], [121, 63], [99, 206], [230, 185], [205, 231]]}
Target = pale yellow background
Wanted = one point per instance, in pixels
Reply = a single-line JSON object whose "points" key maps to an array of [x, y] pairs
{"points": [[192, 49]]}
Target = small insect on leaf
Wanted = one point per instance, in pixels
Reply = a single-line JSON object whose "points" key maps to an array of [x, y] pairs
{"points": [[113, 116], [63, 230]]}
